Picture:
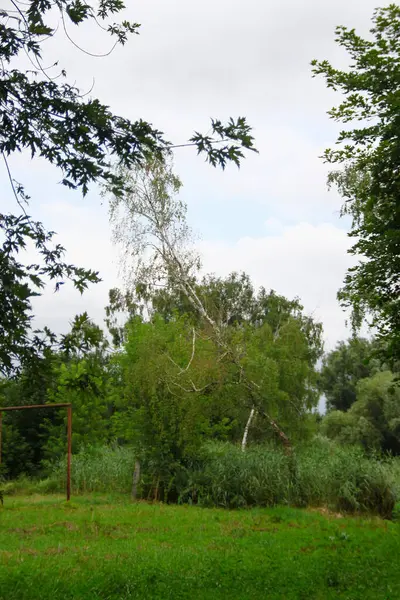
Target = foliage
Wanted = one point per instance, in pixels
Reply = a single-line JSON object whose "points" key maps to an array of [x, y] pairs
{"points": [[342, 369], [369, 181], [158, 407], [150, 225], [81, 377], [174, 388], [319, 474], [77, 134], [19, 283], [104, 547], [22, 443], [345, 478], [233, 301], [167, 390], [373, 420], [75, 370]]}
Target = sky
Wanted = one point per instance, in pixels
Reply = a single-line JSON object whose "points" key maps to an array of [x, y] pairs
{"points": [[274, 217]]}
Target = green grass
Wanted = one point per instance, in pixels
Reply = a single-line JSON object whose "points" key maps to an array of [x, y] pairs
{"points": [[106, 548]]}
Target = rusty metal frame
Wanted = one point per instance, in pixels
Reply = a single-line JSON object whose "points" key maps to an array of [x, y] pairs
{"points": [[66, 405]]}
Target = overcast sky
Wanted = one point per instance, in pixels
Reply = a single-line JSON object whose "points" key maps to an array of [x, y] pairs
{"points": [[273, 218]]}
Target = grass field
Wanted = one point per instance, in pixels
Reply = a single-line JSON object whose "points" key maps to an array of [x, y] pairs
{"points": [[104, 547]]}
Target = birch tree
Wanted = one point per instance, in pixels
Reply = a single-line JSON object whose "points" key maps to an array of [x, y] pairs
{"points": [[157, 250]]}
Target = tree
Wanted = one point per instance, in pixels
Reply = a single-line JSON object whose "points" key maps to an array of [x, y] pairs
{"points": [[234, 301], [19, 345], [22, 443], [80, 376], [42, 113], [343, 368], [370, 181], [150, 225], [378, 400], [373, 421], [165, 405], [74, 370]]}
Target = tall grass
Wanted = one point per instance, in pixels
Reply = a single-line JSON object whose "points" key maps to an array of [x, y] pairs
{"points": [[344, 478], [322, 473], [103, 469]]}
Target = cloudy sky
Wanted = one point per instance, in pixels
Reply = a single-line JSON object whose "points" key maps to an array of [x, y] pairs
{"points": [[273, 218]]}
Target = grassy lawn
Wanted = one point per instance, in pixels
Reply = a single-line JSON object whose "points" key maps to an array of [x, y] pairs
{"points": [[104, 547]]}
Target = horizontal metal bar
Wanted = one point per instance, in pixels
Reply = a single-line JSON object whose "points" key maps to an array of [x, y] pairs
{"points": [[61, 405]]}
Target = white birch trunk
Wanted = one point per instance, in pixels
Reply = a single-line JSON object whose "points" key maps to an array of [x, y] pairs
{"points": [[246, 429]]}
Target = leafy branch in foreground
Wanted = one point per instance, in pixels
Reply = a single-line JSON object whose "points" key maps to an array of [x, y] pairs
{"points": [[82, 136], [19, 283]]}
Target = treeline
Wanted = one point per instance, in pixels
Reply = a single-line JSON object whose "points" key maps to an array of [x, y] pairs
{"points": [[158, 380]]}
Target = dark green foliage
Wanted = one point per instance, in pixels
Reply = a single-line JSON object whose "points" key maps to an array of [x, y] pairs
{"points": [[74, 371], [19, 283], [343, 368], [80, 376], [321, 473], [373, 421], [79, 135], [23, 439], [369, 181]]}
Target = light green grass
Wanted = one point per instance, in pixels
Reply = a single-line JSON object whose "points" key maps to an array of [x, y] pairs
{"points": [[106, 548]]}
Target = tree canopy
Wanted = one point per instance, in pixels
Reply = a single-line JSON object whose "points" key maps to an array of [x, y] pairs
{"points": [[344, 367], [373, 421], [369, 180]]}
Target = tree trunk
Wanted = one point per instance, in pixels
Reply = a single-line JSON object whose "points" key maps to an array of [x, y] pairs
{"points": [[135, 480], [281, 434], [246, 429]]}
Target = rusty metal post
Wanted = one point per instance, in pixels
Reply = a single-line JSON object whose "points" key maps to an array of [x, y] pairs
{"points": [[69, 452]]}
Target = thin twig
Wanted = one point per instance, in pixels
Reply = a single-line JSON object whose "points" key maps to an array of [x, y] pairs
{"points": [[12, 184]]}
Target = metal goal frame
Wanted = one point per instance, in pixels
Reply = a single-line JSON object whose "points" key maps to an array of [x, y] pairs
{"points": [[66, 405]]}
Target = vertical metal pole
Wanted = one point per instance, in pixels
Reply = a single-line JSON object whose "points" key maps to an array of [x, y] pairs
{"points": [[69, 435]]}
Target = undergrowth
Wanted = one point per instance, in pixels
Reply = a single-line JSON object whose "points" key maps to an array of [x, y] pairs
{"points": [[319, 474]]}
